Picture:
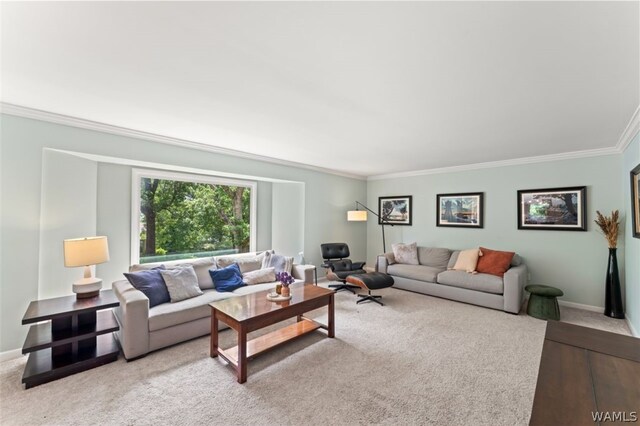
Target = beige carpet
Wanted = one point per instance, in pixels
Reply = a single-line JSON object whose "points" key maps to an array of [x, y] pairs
{"points": [[417, 360]]}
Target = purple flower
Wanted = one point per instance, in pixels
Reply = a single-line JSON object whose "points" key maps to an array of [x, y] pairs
{"points": [[284, 278]]}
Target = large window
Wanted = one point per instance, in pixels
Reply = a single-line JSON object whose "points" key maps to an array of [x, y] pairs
{"points": [[182, 216]]}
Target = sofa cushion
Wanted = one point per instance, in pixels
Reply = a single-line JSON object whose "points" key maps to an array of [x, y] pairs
{"points": [[453, 259], [200, 266], [227, 279], [434, 256], [406, 253], [480, 282], [414, 272], [250, 289], [494, 262], [170, 314], [267, 275], [182, 283], [247, 261], [467, 260], [391, 259], [151, 283]]}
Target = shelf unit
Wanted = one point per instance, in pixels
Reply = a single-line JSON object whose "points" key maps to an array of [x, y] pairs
{"points": [[69, 335]]}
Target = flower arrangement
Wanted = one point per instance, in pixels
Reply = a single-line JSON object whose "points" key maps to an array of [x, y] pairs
{"points": [[610, 226], [284, 278]]}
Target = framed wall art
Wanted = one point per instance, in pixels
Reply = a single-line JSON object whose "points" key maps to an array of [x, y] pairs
{"points": [[562, 209], [635, 201], [463, 210], [395, 210]]}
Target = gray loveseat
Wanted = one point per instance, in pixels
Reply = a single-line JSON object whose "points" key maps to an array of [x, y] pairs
{"points": [[433, 277], [144, 329]]}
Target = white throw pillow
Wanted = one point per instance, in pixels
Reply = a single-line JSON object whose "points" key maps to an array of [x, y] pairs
{"points": [[260, 276], [406, 253], [279, 262], [467, 260], [182, 283]]}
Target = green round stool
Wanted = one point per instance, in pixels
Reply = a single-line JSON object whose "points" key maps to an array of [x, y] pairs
{"points": [[543, 303]]}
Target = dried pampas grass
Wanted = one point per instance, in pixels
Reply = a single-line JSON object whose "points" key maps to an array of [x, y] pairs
{"points": [[609, 226]]}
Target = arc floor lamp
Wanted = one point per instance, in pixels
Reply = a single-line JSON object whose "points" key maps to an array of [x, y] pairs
{"points": [[358, 215]]}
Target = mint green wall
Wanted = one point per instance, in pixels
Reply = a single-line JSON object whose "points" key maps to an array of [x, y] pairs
{"points": [[287, 223], [114, 219], [631, 273], [327, 197], [67, 210], [572, 261]]}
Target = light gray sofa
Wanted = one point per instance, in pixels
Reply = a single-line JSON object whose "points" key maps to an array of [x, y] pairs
{"points": [[433, 277], [144, 329]]}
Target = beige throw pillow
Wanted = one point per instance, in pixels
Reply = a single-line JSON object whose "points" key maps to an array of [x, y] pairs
{"points": [[406, 253], [260, 276], [467, 260], [182, 283]]}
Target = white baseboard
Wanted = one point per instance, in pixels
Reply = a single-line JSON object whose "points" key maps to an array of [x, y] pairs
{"points": [[9, 355], [634, 332], [581, 306]]}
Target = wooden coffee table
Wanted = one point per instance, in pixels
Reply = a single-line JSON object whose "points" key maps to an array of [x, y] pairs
{"points": [[252, 312]]}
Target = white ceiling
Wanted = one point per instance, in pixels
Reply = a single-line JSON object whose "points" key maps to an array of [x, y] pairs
{"points": [[359, 87]]}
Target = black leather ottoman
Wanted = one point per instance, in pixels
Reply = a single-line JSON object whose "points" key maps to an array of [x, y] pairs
{"points": [[370, 281]]}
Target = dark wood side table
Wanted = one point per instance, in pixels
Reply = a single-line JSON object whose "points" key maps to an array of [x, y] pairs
{"points": [[586, 374], [69, 335]]}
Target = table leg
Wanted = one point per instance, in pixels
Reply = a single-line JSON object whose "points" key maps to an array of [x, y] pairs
{"points": [[242, 355], [299, 318], [213, 351], [331, 330]]}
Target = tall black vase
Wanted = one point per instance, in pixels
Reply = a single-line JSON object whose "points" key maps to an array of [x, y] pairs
{"points": [[613, 296]]}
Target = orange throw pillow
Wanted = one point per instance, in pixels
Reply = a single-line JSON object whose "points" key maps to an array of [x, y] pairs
{"points": [[494, 262]]}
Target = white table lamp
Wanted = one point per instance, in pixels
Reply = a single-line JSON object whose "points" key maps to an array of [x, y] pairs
{"points": [[86, 252]]}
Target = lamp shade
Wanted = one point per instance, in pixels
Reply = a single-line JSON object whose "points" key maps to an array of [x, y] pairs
{"points": [[85, 251], [357, 215]]}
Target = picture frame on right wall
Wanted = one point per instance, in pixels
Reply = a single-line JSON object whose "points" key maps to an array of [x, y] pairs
{"points": [[559, 209], [635, 201]]}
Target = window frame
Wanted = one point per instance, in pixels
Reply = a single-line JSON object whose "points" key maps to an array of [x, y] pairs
{"points": [[136, 180]]}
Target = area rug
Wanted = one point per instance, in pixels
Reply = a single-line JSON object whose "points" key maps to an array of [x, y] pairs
{"points": [[417, 360]]}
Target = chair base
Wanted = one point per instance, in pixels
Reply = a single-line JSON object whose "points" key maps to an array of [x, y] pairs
{"points": [[369, 298], [347, 287]]}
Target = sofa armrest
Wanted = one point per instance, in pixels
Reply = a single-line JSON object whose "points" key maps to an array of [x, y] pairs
{"points": [[133, 317], [304, 272], [382, 263], [514, 281]]}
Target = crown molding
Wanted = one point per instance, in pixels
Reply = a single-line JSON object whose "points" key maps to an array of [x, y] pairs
{"points": [[51, 117], [630, 131], [502, 163]]}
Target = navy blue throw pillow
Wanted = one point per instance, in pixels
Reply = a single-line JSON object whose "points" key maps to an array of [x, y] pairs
{"points": [[227, 279], [152, 284]]}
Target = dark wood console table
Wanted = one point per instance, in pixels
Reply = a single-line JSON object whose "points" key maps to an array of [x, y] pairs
{"points": [[69, 335], [583, 372]]}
